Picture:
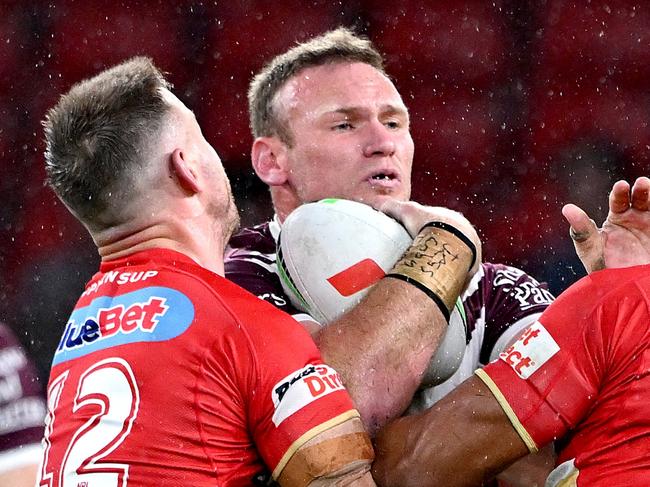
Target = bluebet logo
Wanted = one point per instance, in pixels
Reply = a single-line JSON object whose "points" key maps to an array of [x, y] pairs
{"points": [[109, 321], [149, 314]]}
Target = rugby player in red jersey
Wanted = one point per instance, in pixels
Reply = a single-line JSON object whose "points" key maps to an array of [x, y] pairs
{"points": [[167, 374], [579, 376]]}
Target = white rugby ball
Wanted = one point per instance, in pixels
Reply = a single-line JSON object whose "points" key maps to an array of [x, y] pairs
{"points": [[331, 252]]}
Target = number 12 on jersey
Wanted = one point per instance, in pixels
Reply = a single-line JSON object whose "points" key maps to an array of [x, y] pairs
{"points": [[106, 395]]}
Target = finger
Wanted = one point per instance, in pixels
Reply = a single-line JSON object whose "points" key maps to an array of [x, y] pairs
{"points": [[641, 194], [399, 210], [581, 226], [586, 238], [390, 206], [379, 201], [619, 198]]}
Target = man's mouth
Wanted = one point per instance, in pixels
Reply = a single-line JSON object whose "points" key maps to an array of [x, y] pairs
{"points": [[384, 179]]}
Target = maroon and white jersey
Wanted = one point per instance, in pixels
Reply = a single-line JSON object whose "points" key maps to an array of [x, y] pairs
{"points": [[22, 405], [499, 303], [168, 374]]}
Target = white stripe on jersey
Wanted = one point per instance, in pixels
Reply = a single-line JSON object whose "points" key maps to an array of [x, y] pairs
{"points": [[472, 287]]}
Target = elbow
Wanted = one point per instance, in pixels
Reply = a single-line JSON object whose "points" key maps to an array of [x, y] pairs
{"points": [[374, 414]]}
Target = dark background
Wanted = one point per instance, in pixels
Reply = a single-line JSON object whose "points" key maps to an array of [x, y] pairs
{"points": [[518, 107]]}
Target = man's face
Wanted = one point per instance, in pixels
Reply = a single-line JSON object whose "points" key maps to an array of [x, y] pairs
{"points": [[350, 133]]}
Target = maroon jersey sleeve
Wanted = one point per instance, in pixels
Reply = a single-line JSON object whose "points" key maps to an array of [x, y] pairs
{"points": [[22, 407], [578, 359], [508, 297], [251, 263]]}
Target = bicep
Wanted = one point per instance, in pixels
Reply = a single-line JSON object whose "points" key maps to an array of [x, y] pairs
{"points": [[463, 440]]}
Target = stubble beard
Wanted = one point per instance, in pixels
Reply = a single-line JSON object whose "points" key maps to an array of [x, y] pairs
{"points": [[225, 216]]}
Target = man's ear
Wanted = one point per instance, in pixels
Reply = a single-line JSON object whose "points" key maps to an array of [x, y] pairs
{"points": [[185, 171], [269, 157]]}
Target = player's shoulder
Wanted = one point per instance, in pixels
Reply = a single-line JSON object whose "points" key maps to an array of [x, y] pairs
{"points": [[258, 238], [608, 284], [494, 282], [208, 291], [245, 305], [496, 274], [252, 251]]}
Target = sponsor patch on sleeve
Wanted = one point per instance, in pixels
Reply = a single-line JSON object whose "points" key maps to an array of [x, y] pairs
{"points": [[303, 387], [533, 349]]}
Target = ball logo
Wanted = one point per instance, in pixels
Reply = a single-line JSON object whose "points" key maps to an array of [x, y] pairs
{"points": [[533, 349], [303, 387], [357, 277]]}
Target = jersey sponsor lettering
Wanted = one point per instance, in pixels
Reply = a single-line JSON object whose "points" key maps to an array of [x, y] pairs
{"points": [[11, 360], [120, 278], [273, 298], [533, 349], [303, 387], [528, 294], [149, 314], [26, 412]]}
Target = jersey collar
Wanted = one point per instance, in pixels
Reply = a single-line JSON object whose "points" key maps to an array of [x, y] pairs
{"points": [[146, 256]]}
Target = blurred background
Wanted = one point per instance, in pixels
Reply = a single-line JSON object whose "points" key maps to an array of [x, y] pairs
{"points": [[517, 107]]}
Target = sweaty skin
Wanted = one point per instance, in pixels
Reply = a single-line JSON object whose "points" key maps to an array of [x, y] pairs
{"points": [[463, 440]]}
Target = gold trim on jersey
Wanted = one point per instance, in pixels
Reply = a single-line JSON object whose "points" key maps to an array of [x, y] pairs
{"points": [[503, 402], [316, 430]]}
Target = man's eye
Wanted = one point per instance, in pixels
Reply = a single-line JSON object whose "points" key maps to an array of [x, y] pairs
{"points": [[393, 124], [343, 126]]}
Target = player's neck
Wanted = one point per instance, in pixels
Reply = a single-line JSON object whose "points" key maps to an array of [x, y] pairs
{"points": [[205, 250], [284, 202]]}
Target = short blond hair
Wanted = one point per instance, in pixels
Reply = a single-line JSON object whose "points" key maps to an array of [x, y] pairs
{"points": [[340, 45], [97, 133]]}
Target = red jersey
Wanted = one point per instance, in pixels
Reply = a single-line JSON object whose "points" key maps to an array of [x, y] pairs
{"points": [[582, 373], [168, 374]]}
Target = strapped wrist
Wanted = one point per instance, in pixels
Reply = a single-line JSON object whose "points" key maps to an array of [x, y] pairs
{"points": [[437, 263]]}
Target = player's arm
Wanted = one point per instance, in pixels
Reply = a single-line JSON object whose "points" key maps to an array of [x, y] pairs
{"points": [[532, 470], [624, 239], [341, 455], [382, 347], [464, 440], [521, 300]]}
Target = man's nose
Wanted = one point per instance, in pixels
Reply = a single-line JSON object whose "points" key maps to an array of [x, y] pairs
{"points": [[380, 140]]}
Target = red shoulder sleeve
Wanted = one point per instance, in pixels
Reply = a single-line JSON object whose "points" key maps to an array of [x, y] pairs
{"points": [[290, 395], [547, 380]]}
